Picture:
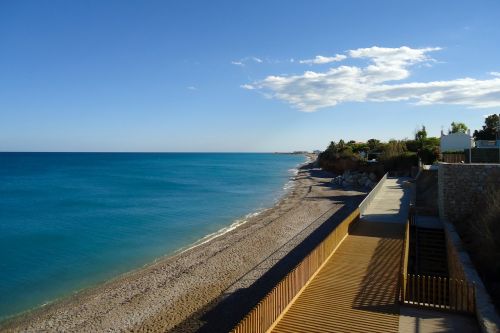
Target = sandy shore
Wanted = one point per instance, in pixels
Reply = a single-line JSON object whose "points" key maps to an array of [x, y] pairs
{"points": [[209, 287]]}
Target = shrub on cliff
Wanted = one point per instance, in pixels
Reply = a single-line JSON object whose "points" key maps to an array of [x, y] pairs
{"points": [[338, 157], [401, 162], [392, 156]]}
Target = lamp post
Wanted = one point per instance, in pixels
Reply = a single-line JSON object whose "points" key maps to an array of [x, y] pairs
{"points": [[497, 142]]}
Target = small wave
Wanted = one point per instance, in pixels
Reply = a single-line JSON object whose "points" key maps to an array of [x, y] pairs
{"points": [[289, 185], [286, 188], [222, 231]]}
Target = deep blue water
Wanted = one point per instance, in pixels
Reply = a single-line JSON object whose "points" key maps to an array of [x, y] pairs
{"points": [[71, 220]]}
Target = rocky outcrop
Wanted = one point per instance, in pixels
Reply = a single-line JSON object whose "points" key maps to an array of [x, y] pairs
{"points": [[356, 179]]}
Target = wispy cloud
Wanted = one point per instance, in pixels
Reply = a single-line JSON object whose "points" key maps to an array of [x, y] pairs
{"points": [[192, 88], [247, 86], [319, 59], [244, 61], [495, 74], [378, 82]]}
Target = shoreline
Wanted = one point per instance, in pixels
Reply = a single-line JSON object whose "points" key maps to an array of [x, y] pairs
{"points": [[165, 293], [199, 242], [310, 158]]}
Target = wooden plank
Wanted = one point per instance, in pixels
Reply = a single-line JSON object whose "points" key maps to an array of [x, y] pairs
{"points": [[357, 288]]}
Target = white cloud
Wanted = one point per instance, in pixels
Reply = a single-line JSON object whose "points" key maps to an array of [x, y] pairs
{"points": [[244, 61], [495, 73], [319, 59], [378, 82], [247, 86], [393, 56], [192, 88]]}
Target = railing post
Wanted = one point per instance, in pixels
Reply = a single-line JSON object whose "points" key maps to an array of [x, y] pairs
{"points": [[434, 291], [446, 293], [403, 296], [414, 297], [451, 296]]}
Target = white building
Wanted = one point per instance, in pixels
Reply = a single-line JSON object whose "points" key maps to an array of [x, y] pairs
{"points": [[488, 144], [456, 141]]}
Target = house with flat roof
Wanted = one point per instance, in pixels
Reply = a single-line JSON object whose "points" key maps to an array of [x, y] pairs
{"points": [[454, 142]]}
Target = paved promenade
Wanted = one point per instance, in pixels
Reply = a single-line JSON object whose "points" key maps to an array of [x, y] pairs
{"points": [[391, 204]]}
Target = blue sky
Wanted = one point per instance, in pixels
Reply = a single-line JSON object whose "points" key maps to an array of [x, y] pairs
{"points": [[241, 76]]}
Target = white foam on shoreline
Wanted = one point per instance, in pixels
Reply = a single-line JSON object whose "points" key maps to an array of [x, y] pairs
{"points": [[291, 181], [239, 222], [293, 175], [222, 231]]}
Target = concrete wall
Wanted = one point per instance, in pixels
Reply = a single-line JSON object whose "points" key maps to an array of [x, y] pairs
{"points": [[427, 190], [373, 193], [455, 142], [461, 188]]}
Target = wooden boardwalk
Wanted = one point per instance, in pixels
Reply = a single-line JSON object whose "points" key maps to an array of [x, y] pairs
{"points": [[356, 290]]}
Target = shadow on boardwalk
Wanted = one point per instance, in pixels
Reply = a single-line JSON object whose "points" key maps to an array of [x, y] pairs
{"points": [[225, 312], [378, 291]]}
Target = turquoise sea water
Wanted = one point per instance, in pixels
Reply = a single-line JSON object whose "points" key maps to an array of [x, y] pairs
{"points": [[71, 220]]}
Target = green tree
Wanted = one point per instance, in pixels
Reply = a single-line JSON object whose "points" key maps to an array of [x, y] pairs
{"points": [[332, 147], [458, 128], [412, 145], [489, 128], [394, 148], [421, 135], [373, 144]]}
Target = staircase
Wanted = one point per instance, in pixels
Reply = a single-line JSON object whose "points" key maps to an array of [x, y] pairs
{"points": [[430, 254], [427, 267]]}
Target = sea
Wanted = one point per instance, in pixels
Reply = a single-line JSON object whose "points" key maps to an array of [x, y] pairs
{"points": [[69, 221]]}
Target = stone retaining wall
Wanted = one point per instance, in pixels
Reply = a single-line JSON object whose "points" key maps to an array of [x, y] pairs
{"points": [[462, 187]]}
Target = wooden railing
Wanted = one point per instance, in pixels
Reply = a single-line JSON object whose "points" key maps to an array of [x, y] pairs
{"points": [[453, 158], [404, 260], [265, 313], [441, 293], [430, 291]]}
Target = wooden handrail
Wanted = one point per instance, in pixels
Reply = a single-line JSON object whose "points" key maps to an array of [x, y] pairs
{"points": [[451, 294], [440, 293]]}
